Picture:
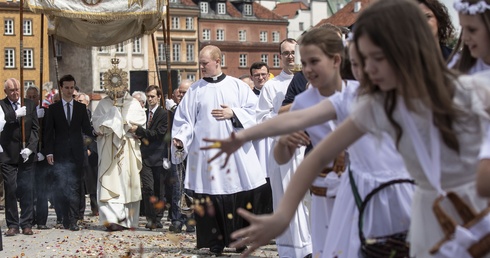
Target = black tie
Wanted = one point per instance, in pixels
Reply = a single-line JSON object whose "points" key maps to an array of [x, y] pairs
{"points": [[16, 104], [68, 112]]}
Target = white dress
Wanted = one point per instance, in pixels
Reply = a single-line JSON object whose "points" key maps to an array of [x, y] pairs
{"points": [[321, 206], [373, 162], [296, 240], [458, 170]]}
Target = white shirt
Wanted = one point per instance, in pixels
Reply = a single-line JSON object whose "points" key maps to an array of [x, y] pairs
{"points": [[71, 108]]}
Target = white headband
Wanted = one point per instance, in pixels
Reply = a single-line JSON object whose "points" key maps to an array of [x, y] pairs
{"points": [[471, 9]]}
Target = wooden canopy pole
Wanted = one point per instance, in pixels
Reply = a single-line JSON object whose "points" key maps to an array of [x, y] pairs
{"points": [[21, 68], [166, 40], [41, 70], [155, 56]]}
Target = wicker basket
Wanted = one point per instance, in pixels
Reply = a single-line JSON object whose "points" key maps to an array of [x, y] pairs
{"points": [[469, 217], [390, 246]]}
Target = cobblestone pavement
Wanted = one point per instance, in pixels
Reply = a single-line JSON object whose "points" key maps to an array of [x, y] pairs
{"points": [[93, 241]]}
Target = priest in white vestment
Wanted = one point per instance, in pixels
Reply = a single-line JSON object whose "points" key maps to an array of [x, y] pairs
{"points": [[214, 107], [118, 185]]}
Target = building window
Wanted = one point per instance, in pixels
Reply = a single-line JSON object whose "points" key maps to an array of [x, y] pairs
{"points": [[264, 58], [9, 27], [175, 23], [28, 84], [247, 9], [28, 58], [161, 52], [276, 61], [137, 45], [263, 36], [189, 23], [102, 50], [58, 48], [191, 77], [176, 52], [9, 58], [242, 35], [221, 8], [27, 27], [101, 81], [206, 34], [242, 61], [301, 26], [275, 36], [223, 60], [120, 48], [220, 35], [204, 7], [190, 52]]}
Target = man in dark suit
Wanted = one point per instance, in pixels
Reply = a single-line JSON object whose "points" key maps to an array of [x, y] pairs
{"points": [[63, 143], [153, 150], [42, 176], [17, 161]]}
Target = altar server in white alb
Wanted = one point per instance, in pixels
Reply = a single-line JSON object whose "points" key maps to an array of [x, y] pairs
{"points": [[296, 240], [216, 106]]}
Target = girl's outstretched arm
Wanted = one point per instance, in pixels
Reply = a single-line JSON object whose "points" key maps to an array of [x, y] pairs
{"points": [[282, 124], [483, 178], [263, 228], [285, 147]]}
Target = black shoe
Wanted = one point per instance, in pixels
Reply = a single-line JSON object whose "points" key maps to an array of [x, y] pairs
{"points": [[159, 224], [74, 227], [175, 227], [111, 227], [42, 227], [151, 225], [241, 249], [59, 224], [2, 207], [190, 228], [216, 250], [308, 256]]}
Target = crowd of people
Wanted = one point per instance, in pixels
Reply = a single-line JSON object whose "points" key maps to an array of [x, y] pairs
{"points": [[356, 146]]}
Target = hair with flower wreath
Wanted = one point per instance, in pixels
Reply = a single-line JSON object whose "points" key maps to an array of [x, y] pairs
{"points": [[469, 7], [465, 7]]}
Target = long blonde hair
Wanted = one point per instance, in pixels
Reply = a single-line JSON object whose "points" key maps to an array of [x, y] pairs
{"points": [[400, 29]]}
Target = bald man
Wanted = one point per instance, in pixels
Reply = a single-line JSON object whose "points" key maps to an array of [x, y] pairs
{"points": [[17, 161], [214, 107]]}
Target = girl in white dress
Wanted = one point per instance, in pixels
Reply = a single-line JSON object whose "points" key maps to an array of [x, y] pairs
{"points": [[321, 56], [401, 64], [474, 18], [373, 161]]}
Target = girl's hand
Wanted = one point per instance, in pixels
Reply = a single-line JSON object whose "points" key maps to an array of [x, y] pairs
{"points": [[262, 229], [228, 146], [295, 140]]}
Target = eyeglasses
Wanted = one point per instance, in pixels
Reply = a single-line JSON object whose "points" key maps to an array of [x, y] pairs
{"points": [[287, 53], [258, 75]]}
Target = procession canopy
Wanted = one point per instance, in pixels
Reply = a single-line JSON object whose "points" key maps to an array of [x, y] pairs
{"points": [[99, 22]]}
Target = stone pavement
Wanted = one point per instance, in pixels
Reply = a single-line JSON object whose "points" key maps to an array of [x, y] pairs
{"points": [[93, 241]]}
